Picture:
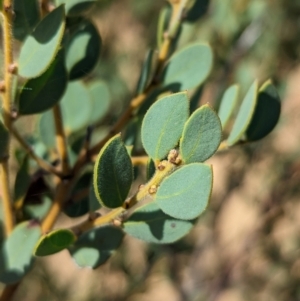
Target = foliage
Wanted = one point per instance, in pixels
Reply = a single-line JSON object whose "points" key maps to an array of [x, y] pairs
{"points": [[71, 166]]}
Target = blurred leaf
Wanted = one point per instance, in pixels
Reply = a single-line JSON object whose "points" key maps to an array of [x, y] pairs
{"points": [[201, 135], [16, 253], [266, 114], [113, 173], [228, 104], [26, 16], [244, 116], [163, 124], [76, 107], [4, 139], [46, 129], [54, 242], [82, 50], [93, 248], [76, 7], [78, 205], [185, 193], [150, 224], [21, 184], [100, 98], [42, 45], [188, 67], [42, 93], [37, 210], [197, 10], [163, 21], [150, 169], [147, 71]]}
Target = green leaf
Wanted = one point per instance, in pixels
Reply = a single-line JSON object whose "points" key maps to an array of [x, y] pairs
{"points": [[228, 103], [150, 169], [93, 248], [76, 7], [150, 224], [163, 124], [21, 184], [40, 48], [267, 112], [26, 16], [4, 139], [54, 242], [188, 67], [185, 193], [16, 252], [201, 136], [93, 201], [163, 21], [82, 50], [244, 116], [100, 98], [113, 173], [147, 71], [76, 107], [46, 129], [78, 204], [42, 93]]}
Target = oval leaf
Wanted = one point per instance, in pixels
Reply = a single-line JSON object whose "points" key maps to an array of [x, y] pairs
{"points": [[40, 48], [82, 50], [188, 67], [54, 242], [163, 124], [16, 254], [26, 16], [244, 116], [201, 136], [42, 93], [93, 248], [266, 113], [76, 107], [46, 129], [228, 103], [100, 98], [113, 173], [185, 193], [150, 224]]}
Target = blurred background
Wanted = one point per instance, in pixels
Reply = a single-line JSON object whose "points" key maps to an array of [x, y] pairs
{"points": [[246, 246]]}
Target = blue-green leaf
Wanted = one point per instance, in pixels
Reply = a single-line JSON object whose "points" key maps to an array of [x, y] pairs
{"points": [[186, 192], [201, 136], [188, 67], [150, 224], [163, 124], [93, 248], [42, 45], [16, 253]]}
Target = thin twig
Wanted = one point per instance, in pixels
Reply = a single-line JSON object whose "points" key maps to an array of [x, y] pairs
{"points": [[41, 162], [143, 160]]}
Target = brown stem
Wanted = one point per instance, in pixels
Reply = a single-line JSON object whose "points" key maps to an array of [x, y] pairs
{"points": [[61, 140], [61, 195], [143, 160]]}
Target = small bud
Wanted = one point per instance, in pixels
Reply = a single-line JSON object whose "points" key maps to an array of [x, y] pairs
{"points": [[152, 189], [141, 186], [173, 154], [162, 165], [13, 68], [178, 161]]}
